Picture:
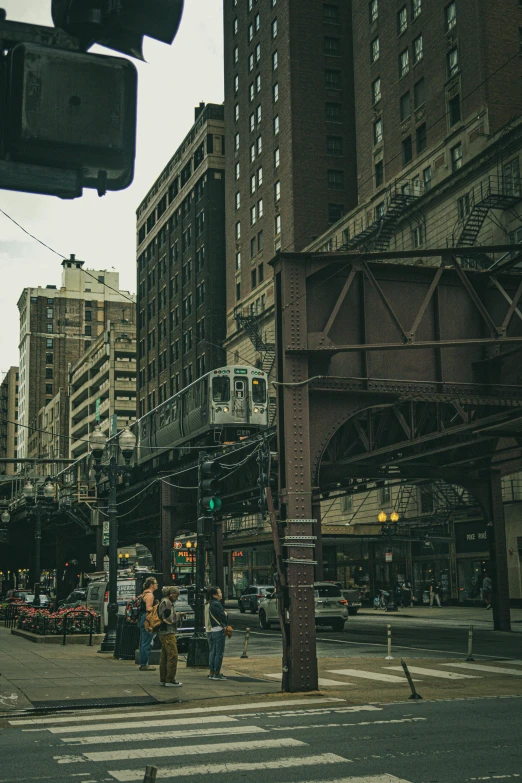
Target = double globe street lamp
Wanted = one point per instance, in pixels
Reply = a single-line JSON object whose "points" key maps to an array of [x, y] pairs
{"points": [[42, 501], [125, 445]]}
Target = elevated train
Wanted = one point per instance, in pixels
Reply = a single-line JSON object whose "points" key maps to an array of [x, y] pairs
{"points": [[223, 406]]}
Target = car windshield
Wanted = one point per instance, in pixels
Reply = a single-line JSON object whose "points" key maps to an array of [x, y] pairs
{"points": [[327, 591]]}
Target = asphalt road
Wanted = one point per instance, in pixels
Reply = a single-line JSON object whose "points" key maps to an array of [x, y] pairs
{"points": [[366, 634], [418, 742]]}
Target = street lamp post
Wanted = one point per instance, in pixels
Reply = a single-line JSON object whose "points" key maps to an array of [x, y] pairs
{"points": [[126, 444], [31, 493]]}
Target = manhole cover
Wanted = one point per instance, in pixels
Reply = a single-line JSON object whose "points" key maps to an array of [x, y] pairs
{"points": [[116, 701]]}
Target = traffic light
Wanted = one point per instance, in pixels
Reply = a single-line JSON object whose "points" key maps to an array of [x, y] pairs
{"points": [[118, 24], [209, 486]]}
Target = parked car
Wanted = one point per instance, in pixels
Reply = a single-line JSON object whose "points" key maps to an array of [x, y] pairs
{"points": [[26, 597], [330, 607], [97, 596], [353, 598], [74, 600], [251, 596], [186, 626]]}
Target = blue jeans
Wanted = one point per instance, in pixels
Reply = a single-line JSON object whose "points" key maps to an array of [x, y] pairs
{"points": [[145, 641], [216, 643]]}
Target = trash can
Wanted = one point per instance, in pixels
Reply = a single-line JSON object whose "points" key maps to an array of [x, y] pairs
{"points": [[127, 639]]}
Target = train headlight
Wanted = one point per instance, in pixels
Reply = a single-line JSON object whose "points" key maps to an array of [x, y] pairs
{"points": [[218, 410], [226, 409], [256, 410]]}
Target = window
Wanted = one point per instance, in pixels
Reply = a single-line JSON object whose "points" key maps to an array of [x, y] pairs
{"points": [[274, 60], [50, 313], [335, 179], [259, 145], [402, 20], [330, 14], [237, 170], [278, 224], [407, 152], [251, 92], [332, 79], [238, 260], [253, 215], [101, 279], [374, 10], [405, 106], [511, 178], [48, 388], [418, 236], [275, 92], [258, 82], [258, 114], [463, 206], [252, 122], [333, 112], [257, 22], [274, 28], [49, 358], [236, 83], [379, 173], [334, 145], [419, 95], [331, 46], [252, 184], [374, 50], [236, 142], [385, 494], [50, 329], [335, 212], [451, 15], [456, 157], [260, 273], [49, 342], [426, 176], [404, 63], [48, 372], [236, 55], [452, 61], [252, 153], [251, 62], [454, 110], [276, 124], [421, 138], [250, 32], [259, 176], [236, 112], [276, 158], [258, 52], [238, 200], [238, 229], [376, 90], [235, 26], [520, 39], [346, 504], [377, 131], [238, 290], [418, 51], [277, 191], [416, 8], [252, 247], [259, 241], [253, 278]]}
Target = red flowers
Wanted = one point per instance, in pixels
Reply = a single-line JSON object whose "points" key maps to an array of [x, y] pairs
{"points": [[42, 621]]}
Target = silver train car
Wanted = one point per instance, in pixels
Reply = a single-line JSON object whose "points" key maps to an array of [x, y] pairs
{"points": [[223, 406]]}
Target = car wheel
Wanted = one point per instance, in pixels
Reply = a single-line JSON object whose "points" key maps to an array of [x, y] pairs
{"points": [[253, 609], [241, 608], [263, 622], [338, 626]]}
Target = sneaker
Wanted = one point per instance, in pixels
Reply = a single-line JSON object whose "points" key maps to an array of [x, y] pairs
{"points": [[211, 676], [147, 668], [219, 677], [163, 683], [174, 684]]}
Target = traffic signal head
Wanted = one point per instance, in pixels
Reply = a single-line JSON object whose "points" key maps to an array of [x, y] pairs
{"points": [[209, 486], [118, 24]]}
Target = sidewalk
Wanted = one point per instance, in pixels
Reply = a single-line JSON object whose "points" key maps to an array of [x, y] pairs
{"points": [[454, 616], [33, 675]]}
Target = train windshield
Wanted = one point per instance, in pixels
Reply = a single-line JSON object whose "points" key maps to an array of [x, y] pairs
{"points": [[221, 389], [258, 390], [239, 389]]}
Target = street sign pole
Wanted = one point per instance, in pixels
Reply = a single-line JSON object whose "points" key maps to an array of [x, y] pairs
{"points": [[198, 651]]}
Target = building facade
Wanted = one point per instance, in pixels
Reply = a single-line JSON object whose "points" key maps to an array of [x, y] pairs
{"points": [[8, 420], [49, 436], [291, 167], [56, 326], [102, 385], [181, 265]]}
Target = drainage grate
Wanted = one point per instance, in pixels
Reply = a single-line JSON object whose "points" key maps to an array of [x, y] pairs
{"points": [[117, 701]]}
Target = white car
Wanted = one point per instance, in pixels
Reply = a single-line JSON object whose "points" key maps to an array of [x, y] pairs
{"points": [[330, 607]]}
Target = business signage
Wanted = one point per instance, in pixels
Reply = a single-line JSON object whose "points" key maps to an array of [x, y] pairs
{"points": [[471, 537], [177, 545], [184, 557]]}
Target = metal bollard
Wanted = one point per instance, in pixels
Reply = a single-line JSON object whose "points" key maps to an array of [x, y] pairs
{"points": [[150, 774], [245, 646], [414, 695], [389, 657], [470, 644]]}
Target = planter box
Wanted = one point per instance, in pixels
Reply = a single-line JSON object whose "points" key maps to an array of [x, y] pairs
{"points": [[73, 638]]}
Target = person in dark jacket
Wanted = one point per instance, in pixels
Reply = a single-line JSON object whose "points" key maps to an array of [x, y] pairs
{"points": [[216, 621]]}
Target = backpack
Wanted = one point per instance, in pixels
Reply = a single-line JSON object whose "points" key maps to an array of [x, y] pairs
{"points": [[153, 620]]}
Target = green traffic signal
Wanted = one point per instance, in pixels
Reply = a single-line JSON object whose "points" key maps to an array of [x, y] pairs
{"points": [[215, 504]]}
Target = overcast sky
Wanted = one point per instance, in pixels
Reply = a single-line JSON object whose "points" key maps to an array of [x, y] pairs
{"points": [[101, 231]]}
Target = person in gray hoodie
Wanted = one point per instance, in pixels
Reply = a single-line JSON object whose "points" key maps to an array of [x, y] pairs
{"points": [[216, 621]]}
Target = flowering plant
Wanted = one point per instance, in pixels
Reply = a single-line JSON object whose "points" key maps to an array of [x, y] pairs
{"points": [[45, 622]]}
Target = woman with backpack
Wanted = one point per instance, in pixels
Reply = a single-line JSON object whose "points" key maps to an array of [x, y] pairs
{"points": [[167, 634], [146, 605]]}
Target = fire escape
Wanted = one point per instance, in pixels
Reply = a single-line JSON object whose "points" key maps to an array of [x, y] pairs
{"points": [[377, 235], [249, 319]]}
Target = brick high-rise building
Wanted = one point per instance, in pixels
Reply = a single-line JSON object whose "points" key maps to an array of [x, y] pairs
{"points": [[56, 326], [8, 420], [181, 265], [290, 147]]}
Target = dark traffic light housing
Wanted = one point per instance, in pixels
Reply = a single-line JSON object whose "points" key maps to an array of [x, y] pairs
{"points": [[68, 118], [209, 486]]}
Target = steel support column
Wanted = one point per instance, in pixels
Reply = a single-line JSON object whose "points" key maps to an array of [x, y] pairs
{"points": [[298, 604], [167, 532], [219, 579], [100, 549], [316, 514]]}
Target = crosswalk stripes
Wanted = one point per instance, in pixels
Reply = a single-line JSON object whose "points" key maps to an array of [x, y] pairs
{"points": [[479, 667], [322, 681], [436, 673], [104, 739], [366, 675]]}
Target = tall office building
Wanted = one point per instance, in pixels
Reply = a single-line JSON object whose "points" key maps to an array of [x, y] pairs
{"points": [[56, 326], [8, 420], [181, 265], [290, 168]]}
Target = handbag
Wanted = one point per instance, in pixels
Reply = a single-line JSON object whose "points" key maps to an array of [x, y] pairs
{"points": [[227, 629], [153, 620]]}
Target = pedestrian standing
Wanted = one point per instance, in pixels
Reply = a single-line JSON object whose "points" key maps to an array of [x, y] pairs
{"points": [[147, 602], [487, 589], [434, 592], [406, 592], [216, 620], [167, 635]]}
